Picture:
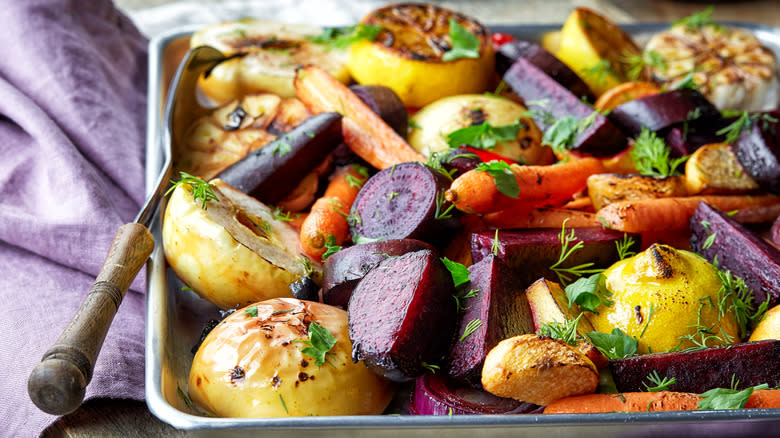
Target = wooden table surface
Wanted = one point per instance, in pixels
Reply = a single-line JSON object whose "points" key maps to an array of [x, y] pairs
{"points": [[130, 419]]}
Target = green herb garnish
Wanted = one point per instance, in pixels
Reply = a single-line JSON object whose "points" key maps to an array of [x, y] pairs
{"points": [[727, 398], [441, 211], [200, 189], [659, 384], [503, 176], [430, 367], [651, 156], [251, 311], [564, 274], [331, 247], [471, 327], [616, 345], [565, 331], [636, 63], [342, 37], [483, 136], [624, 246], [459, 272], [600, 71], [470, 294], [687, 83], [464, 43], [589, 292], [319, 343], [697, 20]]}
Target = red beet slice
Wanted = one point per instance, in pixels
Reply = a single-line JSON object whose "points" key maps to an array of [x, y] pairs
{"points": [[531, 252], [502, 307], [698, 371], [738, 250], [400, 202], [270, 172], [662, 110], [386, 104], [545, 61], [774, 233], [402, 315], [758, 150], [342, 271], [552, 100], [438, 395], [684, 141]]}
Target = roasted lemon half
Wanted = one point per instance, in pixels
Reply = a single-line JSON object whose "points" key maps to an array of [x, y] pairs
{"points": [[410, 53]]}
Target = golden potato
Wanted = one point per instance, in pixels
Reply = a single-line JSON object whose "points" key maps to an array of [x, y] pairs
{"points": [[253, 364], [537, 369]]}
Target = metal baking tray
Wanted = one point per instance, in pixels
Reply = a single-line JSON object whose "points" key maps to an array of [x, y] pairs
{"points": [[175, 318]]}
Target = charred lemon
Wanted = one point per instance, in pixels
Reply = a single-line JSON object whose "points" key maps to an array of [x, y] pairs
{"points": [[264, 57], [596, 49], [667, 299], [424, 53]]}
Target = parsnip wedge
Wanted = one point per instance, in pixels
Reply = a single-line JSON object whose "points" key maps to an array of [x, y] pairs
{"points": [[714, 169], [233, 252]]}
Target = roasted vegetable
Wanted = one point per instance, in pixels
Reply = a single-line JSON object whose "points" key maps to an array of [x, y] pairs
{"points": [[666, 299], [606, 188], [714, 168], [402, 315], [232, 252], [658, 111], [284, 358], [539, 370]]}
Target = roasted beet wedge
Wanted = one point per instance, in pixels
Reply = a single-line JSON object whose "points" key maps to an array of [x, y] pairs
{"points": [[663, 110], [546, 62], [402, 202], [739, 250], [531, 252], [342, 271], [501, 307], [758, 150], [698, 371], [386, 104], [402, 315], [551, 100], [269, 173]]}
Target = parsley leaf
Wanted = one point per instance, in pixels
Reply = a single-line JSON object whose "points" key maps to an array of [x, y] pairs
{"points": [[464, 43], [727, 398], [483, 136], [459, 272], [616, 345], [589, 292], [561, 134], [342, 37], [200, 189], [503, 176], [319, 343], [651, 156]]}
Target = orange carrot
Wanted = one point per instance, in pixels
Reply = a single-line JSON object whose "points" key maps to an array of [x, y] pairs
{"points": [[764, 399], [582, 203], [675, 213], [327, 222], [540, 218], [540, 186], [364, 131], [625, 402]]}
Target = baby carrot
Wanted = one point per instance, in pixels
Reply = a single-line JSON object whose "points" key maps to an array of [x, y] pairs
{"points": [[327, 222], [764, 399], [625, 402], [674, 213], [364, 131], [540, 218], [539, 186]]}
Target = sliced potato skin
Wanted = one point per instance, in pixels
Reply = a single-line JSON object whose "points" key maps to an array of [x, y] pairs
{"points": [[607, 188], [537, 369], [714, 169], [254, 366], [223, 256]]}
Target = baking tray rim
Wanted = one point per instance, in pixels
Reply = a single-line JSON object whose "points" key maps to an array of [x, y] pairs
{"points": [[157, 304]]}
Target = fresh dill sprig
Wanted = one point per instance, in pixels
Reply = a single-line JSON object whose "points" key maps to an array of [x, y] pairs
{"points": [[651, 156], [200, 189], [566, 274], [659, 384], [565, 331]]}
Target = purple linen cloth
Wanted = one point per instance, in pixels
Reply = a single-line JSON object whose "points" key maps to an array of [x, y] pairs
{"points": [[72, 122]]}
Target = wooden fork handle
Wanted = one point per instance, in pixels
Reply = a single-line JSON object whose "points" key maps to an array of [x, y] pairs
{"points": [[57, 384]]}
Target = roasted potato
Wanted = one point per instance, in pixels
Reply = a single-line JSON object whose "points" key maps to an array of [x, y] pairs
{"points": [[257, 363], [537, 369]]}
